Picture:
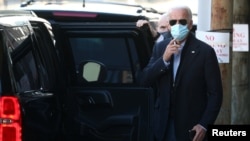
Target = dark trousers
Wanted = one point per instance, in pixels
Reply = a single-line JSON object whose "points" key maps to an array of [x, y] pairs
{"points": [[170, 132]]}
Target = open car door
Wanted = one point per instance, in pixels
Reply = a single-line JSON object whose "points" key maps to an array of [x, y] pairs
{"points": [[104, 101]]}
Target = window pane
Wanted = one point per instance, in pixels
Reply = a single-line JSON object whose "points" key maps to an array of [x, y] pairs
{"points": [[26, 73], [112, 52]]}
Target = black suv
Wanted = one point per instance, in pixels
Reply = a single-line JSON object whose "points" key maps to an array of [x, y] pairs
{"points": [[103, 54], [29, 78]]}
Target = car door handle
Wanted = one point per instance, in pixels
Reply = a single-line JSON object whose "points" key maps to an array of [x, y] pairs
{"points": [[94, 98]]}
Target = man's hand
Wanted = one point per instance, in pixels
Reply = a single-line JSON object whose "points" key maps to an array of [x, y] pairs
{"points": [[153, 31], [140, 23], [172, 48], [200, 132]]}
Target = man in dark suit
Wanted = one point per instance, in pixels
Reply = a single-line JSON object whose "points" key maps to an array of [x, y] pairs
{"points": [[189, 86]]}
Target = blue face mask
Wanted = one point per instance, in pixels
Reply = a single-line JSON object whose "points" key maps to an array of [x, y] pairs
{"points": [[179, 32]]}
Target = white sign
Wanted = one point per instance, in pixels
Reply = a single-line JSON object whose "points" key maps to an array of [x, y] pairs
{"points": [[240, 37], [219, 41]]}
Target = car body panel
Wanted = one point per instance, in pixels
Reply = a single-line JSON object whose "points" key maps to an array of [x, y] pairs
{"points": [[116, 108]]}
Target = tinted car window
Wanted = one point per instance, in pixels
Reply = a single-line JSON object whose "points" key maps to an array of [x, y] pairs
{"points": [[25, 71], [44, 46], [114, 53], [26, 74]]}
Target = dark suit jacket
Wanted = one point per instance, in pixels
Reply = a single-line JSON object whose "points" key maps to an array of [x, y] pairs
{"points": [[197, 92]]}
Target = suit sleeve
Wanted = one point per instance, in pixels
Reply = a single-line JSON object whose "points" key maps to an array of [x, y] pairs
{"points": [[156, 66]]}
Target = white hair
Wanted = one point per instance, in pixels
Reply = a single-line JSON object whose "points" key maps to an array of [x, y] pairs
{"points": [[181, 7]]}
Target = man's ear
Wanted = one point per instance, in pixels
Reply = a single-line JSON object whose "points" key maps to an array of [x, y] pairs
{"points": [[190, 25]]}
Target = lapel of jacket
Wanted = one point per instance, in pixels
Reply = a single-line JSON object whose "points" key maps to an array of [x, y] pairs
{"points": [[189, 52]]}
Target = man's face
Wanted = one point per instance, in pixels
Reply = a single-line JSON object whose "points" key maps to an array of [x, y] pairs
{"points": [[180, 16], [162, 26]]}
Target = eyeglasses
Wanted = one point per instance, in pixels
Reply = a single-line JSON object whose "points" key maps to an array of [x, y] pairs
{"points": [[181, 21]]}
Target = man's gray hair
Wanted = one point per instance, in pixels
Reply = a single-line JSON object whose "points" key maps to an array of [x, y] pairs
{"points": [[181, 7]]}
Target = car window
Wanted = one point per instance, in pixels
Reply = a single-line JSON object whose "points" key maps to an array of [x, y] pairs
{"points": [[24, 65], [113, 52], [44, 46], [26, 73]]}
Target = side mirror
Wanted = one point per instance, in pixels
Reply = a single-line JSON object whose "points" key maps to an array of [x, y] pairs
{"points": [[92, 71]]}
